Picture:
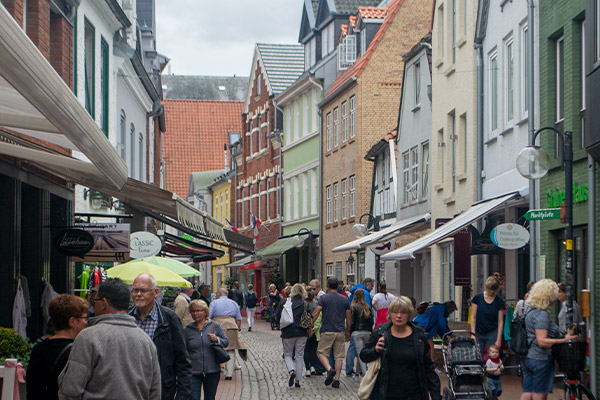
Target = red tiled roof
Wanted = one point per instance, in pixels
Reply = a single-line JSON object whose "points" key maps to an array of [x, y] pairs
{"points": [[194, 139], [372, 12], [343, 30], [352, 21], [359, 65]]}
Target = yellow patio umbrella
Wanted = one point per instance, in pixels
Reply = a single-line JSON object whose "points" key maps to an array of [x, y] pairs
{"points": [[129, 270]]}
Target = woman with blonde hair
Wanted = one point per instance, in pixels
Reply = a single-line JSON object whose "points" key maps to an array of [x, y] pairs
{"points": [[294, 336], [407, 371], [487, 315], [542, 333], [361, 326], [200, 336]]}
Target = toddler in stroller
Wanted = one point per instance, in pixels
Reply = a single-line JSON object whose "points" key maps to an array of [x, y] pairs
{"points": [[463, 365]]}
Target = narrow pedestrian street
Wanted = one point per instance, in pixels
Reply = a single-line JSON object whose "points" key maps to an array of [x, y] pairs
{"points": [[264, 375]]}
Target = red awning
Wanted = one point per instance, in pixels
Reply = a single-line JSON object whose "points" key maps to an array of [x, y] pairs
{"points": [[254, 265]]}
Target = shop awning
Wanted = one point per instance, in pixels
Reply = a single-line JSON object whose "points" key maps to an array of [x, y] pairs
{"points": [[36, 102], [476, 211], [241, 262], [134, 192], [181, 246], [276, 249], [254, 265], [386, 234]]}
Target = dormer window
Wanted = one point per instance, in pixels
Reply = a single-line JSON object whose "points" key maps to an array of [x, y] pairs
{"points": [[327, 42], [347, 52], [310, 53], [363, 41]]}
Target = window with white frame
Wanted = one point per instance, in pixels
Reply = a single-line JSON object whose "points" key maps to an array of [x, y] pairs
{"points": [[559, 84], [329, 269], [307, 54], [350, 268], [132, 150], [296, 197], [425, 170], [226, 211], [524, 66], [328, 204], [243, 215], [338, 270], [141, 152], [217, 204], [297, 133], [258, 85], [442, 155], [328, 131], [268, 203], [344, 123], [509, 91], [304, 211], [259, 133], [259, 200], [336, 127], [406, 176], [441, 34], [352, 207], [447, 268], [251, 206], [305, 122], [344, 199], [453, 138], [336, 194], [463, 133], [493, 91], [363, 41], [123, 136], [453, 26], [288, 200], [350, 48], [352, 118], [327, 40], [314, 192], [414, 174], [417, 80]]}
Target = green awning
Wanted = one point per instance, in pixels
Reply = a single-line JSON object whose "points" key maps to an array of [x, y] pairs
{"points": [[278, 248], [241, 262]]}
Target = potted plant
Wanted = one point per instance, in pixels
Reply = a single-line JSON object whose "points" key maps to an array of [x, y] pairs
{"points": [[13, 346]]}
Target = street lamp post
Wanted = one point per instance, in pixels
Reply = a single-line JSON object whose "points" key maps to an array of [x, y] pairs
{"points": [[533, 163], [360, 230]]}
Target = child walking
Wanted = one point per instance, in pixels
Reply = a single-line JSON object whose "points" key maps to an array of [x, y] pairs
{"points": [[494, 368]]}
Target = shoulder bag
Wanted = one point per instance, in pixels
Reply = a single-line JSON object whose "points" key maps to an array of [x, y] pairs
{"points": [[368, 382], [306, 319], [221, 355]]}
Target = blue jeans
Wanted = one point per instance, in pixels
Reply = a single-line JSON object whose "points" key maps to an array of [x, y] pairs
{"points": [[486, 340], [495, 386], [210, 383], [350, 356]]}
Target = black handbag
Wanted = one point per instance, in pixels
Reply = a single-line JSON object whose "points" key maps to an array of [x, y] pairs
{"points": [[221, 355]]}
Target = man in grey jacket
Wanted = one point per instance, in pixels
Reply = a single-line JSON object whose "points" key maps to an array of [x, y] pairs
{"points": [[106, 358]]}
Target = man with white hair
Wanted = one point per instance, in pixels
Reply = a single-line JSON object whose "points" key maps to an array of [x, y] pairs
{"points": [[164, 328], [227, 313]]}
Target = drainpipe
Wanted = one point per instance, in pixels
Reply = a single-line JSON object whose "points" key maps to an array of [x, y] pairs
{"points": [[591, 270], [479, 143], [531, 125], [280, 175]]}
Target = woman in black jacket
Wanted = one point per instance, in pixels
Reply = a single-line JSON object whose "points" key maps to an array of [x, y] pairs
{"points": [[405, 360], [293, 336], [361, 327]]}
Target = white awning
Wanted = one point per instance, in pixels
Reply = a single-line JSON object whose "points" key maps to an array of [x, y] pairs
{"points": [[385, 234], [476, 211], [36, 102], [134, 192]]}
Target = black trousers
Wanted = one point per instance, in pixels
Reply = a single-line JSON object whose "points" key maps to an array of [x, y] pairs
{"points": [[310, 355], [208, 383]]}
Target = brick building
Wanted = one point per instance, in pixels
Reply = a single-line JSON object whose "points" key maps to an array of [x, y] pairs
{"points": [[359, 108], [258, 176]]}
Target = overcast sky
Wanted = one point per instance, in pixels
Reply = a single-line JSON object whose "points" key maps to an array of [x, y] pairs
{"points": [[217, 37]]}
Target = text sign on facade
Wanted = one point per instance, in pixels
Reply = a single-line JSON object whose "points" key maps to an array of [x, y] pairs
{"points": [[144, 244], [510, 236], [542, 214]]}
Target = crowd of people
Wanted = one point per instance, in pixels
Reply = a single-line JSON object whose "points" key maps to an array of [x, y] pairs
{"points": [[151, 351]]}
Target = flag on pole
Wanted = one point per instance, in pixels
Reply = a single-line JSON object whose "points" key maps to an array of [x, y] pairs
{"points": [[233, 228], [255, 224]]}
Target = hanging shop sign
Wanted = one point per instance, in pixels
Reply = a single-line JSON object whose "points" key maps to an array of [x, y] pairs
{"points": [[462, 253], [111, 242], [556, 197], [73, 242], [144, 244], [380, 249], [481, 242], [510, 236]]}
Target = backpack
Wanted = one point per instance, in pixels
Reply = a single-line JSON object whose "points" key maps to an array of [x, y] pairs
{"points": [[251, 300], [287, 316], [518, 335]]}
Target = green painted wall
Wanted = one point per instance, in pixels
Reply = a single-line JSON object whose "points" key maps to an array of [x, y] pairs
{"points": [[563, 17], [301, 154]]}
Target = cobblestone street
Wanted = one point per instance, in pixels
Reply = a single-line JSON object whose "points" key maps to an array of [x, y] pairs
{"points": [[264, 375]]}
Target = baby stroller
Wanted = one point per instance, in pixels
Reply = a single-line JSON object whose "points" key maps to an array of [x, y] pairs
{"points": [[464, 368]]}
